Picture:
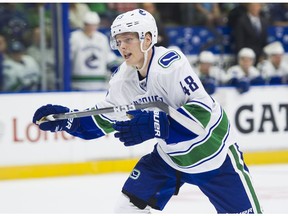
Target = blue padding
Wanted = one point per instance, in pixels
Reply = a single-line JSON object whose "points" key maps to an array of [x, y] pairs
{"points": [[177, 132], [88, 129]]}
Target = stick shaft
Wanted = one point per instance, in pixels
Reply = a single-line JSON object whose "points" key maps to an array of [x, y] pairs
{"points": [[177, 116]]}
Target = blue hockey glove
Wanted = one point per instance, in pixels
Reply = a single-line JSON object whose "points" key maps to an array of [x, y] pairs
{"points": [[243, 85], [209, 85], [69, 125], [275, 80], [257, 81], [143, 126]]}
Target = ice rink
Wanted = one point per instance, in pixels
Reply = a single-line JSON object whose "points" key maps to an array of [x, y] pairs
{"points": [[97, 194]]}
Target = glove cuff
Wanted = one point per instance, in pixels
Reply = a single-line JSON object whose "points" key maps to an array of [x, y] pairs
{"points": [[161, 125], [71, 124]]}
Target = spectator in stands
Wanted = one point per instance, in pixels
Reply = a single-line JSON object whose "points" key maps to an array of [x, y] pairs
{"points": [[232, 20], [207, 14], [99, 8], [91, 55], [279, 14], [236, 13], [3, 47], [172, 13], [163, 39], [76, 14], [34, 50], [210, 75], [14, 22], [274, 69], [251, 30], [21, 72], [119, 8], [244, 73], [105, 15]]}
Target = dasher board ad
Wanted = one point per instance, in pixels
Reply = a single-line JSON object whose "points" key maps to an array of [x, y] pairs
{"points": [[260, 119]]}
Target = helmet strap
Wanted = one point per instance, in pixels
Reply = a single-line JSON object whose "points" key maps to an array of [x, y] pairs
{"points": [[145, 52]]}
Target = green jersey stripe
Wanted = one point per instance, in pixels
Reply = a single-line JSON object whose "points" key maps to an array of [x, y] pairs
{"points": [[84, 78], [201, 114], [105, 125], [247, 179], [207, 148]]}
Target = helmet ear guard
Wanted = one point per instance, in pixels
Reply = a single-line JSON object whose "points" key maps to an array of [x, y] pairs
{"points": [[137, 20]]}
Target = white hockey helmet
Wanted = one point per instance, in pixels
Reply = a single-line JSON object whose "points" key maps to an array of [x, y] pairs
{"points": [[137, 20], [91, 18], [246, 52], [207, 57], [274, 48]]}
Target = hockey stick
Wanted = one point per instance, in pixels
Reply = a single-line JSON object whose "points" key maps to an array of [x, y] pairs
{"points": [[177, 116]]}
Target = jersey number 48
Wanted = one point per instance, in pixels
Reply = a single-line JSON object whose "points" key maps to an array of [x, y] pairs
{"points": [[189, 85]]}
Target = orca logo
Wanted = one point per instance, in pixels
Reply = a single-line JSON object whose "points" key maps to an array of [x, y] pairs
{"points": [[135, 174], [91, 61]]}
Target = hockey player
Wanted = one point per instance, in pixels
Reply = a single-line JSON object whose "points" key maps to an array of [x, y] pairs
{"points": [[21, 72], [275, 68], [210, 75], [244, 73], [91, 56], [212, 161]]}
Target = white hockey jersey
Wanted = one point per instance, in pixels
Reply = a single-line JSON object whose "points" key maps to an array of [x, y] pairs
{"points": [[171, 79], [21, 76], [90, 57], [268, 70], [215, 72], [237, 72]]}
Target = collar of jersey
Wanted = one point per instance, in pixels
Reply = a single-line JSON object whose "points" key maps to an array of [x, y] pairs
{"points": [[148, 69]]}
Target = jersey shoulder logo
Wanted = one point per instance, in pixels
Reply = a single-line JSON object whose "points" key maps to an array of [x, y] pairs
{"points": [[168, 58]]}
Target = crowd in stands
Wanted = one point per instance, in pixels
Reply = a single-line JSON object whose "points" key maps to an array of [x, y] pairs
{"points": [[257, 61], [273, 70]]}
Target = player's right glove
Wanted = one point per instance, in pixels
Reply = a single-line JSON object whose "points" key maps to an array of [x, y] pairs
{"points": [[143, 126], [69, 125]]}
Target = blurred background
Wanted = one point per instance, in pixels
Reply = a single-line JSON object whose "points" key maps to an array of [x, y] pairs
{"points": [[45, 35], [59, 53]]}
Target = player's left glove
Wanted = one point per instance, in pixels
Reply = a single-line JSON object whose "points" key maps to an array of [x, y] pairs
{"points": [[143, 126], [68, 125]]}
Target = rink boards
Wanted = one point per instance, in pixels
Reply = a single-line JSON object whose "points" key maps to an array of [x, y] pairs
{"points": [[260, 117]]}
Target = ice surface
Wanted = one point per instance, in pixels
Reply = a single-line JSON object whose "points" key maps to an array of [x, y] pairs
{"points": [[98, 194]]}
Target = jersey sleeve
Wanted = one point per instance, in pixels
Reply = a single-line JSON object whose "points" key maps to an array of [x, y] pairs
{"points": [[99, 125], [186, 93], [92, 127], [74, 38]]}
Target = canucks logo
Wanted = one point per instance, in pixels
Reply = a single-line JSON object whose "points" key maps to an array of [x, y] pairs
{"points": [[142, 12], [135, 174], [91, 61], [167, 59]]}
